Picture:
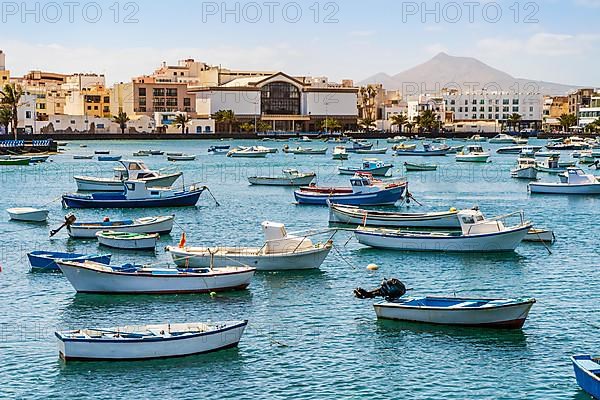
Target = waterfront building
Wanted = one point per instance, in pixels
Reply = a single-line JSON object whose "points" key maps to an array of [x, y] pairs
{"points": [[93, 101], [554, 107], [591, 113], [4, 73], [165, 121], [287, 103], [580, 98], [91, 125]]}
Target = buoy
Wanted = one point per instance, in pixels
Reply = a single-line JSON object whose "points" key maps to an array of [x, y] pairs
{"points": [[372, 267], [453, 209], [213, 294]]}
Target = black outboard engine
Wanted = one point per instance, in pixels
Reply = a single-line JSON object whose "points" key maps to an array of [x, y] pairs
{"points": [[390, 289]]}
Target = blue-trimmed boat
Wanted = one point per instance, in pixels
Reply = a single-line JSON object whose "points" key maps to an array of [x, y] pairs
{"points": [[370, 165], [109, 158], [587, 373], [364, 191], [45, 261], [428, 151], [136, 195], [359, 145]]}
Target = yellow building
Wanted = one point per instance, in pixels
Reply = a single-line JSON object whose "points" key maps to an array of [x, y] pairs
{"points": [[92, 102], [4, 73]]}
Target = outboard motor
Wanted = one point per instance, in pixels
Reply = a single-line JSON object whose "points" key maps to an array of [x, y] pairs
{"points": [[390, 289]]}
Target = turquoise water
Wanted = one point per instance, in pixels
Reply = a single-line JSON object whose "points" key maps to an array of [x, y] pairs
{"points": [[308, 337]]}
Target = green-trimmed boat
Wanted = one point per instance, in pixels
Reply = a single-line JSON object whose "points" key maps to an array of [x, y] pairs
{"points": [[411, 167]]}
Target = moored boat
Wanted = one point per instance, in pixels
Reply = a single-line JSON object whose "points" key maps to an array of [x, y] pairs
{"points": [[247, 152], [45, 261], [183, 157], [304, 151], [364, 190], [575, 182], [412, 167], [477, 234], [148, 341], [540, 236], [109, 158], [131, 170], [359, 145], [339, 153], [291, 177], [372, 166], [128, 241], [280, 252], [550, 165], [15, 161], [587, 374], [526, 169], [91, 277], [428, 151], [136, 195], [503, 139], [473, 153], [471, 312], [382, 150], [355, 216], [88, 230], [27, 214]]}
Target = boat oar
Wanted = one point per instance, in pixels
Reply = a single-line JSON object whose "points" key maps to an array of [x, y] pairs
{"points": [[211, 195], [410, 196], [544, 243], [69, 220]]}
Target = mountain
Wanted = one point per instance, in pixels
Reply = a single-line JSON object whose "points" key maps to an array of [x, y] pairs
{"points": [[444, 70]]}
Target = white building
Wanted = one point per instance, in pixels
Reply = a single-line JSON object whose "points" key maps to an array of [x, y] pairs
{"points": [[166, 120], [495, 106], [287, 103], [587, 115], [82, 123]]}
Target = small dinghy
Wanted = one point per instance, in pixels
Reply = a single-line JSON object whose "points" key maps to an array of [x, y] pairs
{"points": [[428, 151], [550, 165], [83, 157], [184, 157], [109, 158], [473, 153], [472, 312], [142, 153], [371, 166], [503, 139], [136, 195], [128, 241], [397, 139], [304, 151], [412, 167], [88, 230], [364, 191], [219, 149], [15, 161], [576, 182], [382, 150], [404, 146], [102, 152], [156, 152], [339, 214], [248, 152], [45, 261], [340, 153], [359, 145], [587, 373], [540, 236], [526, 169], [280, 252], [27, 214], [174, 154], [478, 234], [130, 170], [291, 177], [92, 277], [149, 341]]}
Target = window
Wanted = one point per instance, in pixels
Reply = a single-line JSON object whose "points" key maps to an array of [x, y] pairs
{"points": [[130, 186], [482, 101], [460, 109], [466, 102], [142, 92], [187, 102], [474, 102], [89, 108], [515, 101], [142, 101], [172, 92], [158, 92], [515, 109], [530, 109], [27, 114], [171, 102], [106, 109], [497, 116], [106, 99], [452, 102], [505, 101], [280, 98]]}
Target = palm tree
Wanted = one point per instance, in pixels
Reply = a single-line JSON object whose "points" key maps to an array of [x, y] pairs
{"points": [[566, 121], [226, 117], [122, 119], [367, 123], [182, 120], [247, 127], [410, 126], [263, 126], [330, 124], [399, 120], [5, 117], [427, 120], [593, 126], [514, 120], [11, 95]]}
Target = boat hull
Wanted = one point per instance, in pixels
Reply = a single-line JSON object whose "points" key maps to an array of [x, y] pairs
{"points": [[503, 317], [586, 374], [304, 260], [383, 197], [382, 171], [473, 159], [149, 348], [412, 241], [90, 184], [28, 216], [266, 181], [160, 225], [146, 243], [557, 188], [525, 173], [351, 216], [417, 153], [88, 280], [188, 199]]}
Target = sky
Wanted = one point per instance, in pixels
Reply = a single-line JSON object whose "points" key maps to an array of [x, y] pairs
{"points": [[551, 40]]}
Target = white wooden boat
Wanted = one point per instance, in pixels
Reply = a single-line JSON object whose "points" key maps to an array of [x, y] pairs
{"points": [[148, 341], [371, 166], [281, 251], [131, 170], [473, 153], [304, 151], [128, 241], [576, 182], [247, 152], [88, 230], [478, 234], [413, 167], [503, 139], [526, 169], [355, 216], [291, 177], [404, 146], [382, 150], [91, 277], [473, 312], [83, 157], [550, 165], [28, 214], [184, 157], [339, 153], [477, 138], [540, 236], [397, 139]]}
